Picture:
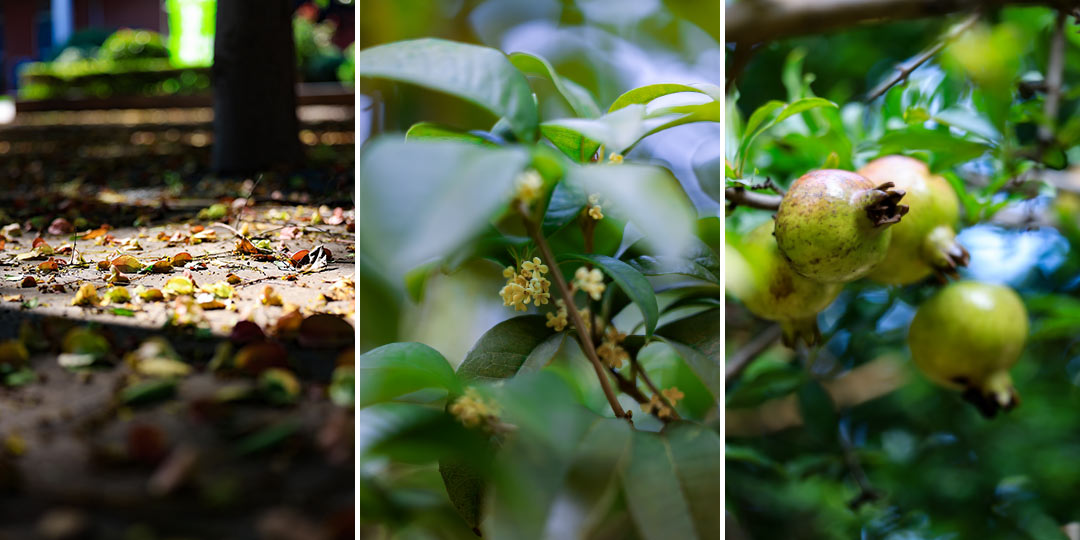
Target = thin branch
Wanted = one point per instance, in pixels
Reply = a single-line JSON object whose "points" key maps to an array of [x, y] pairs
{"points": [[867, 493], [744, 356], [740, 196], [902, 71], [584, 337], [1055, 67], [761, 21]]}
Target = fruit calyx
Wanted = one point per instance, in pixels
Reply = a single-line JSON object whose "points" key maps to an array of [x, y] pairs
{"points": [[995, 394], [884, 207], [804, 330], [944, 253]]}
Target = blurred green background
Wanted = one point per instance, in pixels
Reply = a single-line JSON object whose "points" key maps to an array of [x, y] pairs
{"points": [[972, 113]]}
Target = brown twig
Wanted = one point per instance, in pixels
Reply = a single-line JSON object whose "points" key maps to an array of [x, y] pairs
{"points": [[740, 196], [744, 356], [1055, 67], [575, 316], [648, 382], [903, 70]]}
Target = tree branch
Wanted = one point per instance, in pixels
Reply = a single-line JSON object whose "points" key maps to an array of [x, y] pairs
{"points": [[1055, 67], [902, 71], [744, 356], [756, 21], [740, 196], [584, 338], [867, 493]]}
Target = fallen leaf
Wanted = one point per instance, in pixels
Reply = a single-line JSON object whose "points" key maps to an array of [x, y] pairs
{"points": [[181, 258], [258, 357], [233, 279], [116, 278], [270, 297], [38, 241], [155, 357], [127, 263], [324, 331], [130, 244], [162, 266], [86, 296], [179, 285], [116, 295], [95, 233], [149, 295], [13, 353], [246, 332], [12, 230], [220, 289], [28, 282], [245, 247], [51, 265], [204, 236], [290, 233], [213, 212], [279, 386], [61, 226], [300, 258], [338, 218]]}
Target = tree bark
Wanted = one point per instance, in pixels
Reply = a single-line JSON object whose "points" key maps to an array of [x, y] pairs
{"points": [[254, 74]]}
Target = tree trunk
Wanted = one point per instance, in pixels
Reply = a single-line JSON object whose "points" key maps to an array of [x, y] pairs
{"points": [[254, 73]]}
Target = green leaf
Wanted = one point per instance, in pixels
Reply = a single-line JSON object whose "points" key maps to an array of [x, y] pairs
{"points": [[465, 487], [948, 149], [481, 75], [802, 105], [648, 197], [428, 130], [630, 281], [570, 142], [818, 412], [397, 369], [616, 131], [697, 339], [757, 120], [654, 492], [644, 94], [661, 266], [501, 351], [430, 197], [580, 100], [696, 454], [565, 204]]}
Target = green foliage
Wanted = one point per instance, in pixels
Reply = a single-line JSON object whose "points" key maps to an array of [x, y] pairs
{"points": [[798, 442], [539, 453]]}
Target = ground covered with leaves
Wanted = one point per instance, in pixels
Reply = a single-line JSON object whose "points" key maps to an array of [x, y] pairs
{"points": [[173, 365]]}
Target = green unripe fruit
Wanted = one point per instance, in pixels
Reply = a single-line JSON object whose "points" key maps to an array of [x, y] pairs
{"points": [[925, 241], [779, 294], [966, 337], [833, 226]]}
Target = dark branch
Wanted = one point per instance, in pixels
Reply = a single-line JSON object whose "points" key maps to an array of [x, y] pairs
{"points": [[739, 196], [902, 71], [867, 493], [759, 21], [744, 356]]}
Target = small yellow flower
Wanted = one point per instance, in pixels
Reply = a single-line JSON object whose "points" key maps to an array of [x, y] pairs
{"points": [[673, 395], [615, 158], [596, 213], [557, 321], [535, 264], [594, 199], [509, 272], [590, 281], [529, 186], [656, 406], [473, 410], [609, 350]]}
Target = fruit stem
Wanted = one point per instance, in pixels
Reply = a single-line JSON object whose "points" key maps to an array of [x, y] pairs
{"points": [[944, 253], [883, 208]]}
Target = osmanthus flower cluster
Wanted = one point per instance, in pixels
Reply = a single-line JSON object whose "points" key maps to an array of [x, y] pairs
{"points": [[525, 285]]}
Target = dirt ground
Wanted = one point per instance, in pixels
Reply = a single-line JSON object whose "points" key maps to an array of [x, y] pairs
{"points": [[103, 435]]}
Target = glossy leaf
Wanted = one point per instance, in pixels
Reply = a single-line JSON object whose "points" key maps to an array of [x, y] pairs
{"points": [[644, 94], [570, 142], [429, 131], [578, 97], [698, 340], [503, 349], [397, 369], [481, 75], [429, 197]]}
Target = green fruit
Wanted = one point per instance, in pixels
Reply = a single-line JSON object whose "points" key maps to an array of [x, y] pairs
{"points": [[924, 242], [779, 294], [966, 337], [833, 226]]}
